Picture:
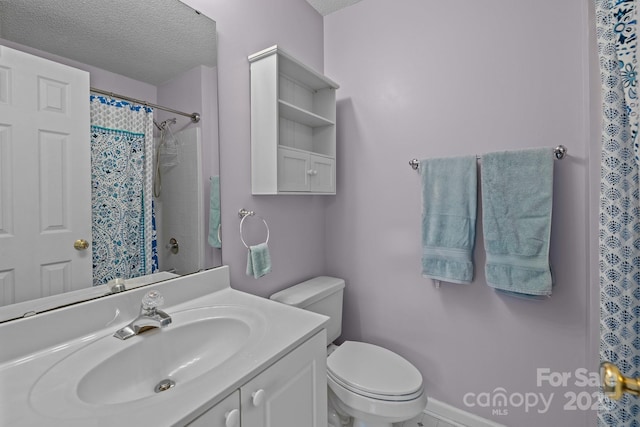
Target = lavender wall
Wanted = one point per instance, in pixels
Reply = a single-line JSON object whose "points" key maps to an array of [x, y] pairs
{"points": [[422, 79], [297, 243], [427, 79]]}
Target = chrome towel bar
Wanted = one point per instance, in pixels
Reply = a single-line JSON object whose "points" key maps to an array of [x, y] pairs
{"points": [[560, 152]]}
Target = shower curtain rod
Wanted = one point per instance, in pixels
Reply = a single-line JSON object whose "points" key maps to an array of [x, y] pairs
{"points": [[195, 117]]}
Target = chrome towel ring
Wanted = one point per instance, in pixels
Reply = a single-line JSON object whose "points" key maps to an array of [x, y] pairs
{"points": [[244, 214]]}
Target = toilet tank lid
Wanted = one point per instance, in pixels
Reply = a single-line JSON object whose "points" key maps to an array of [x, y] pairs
{"points": [[306, 293]]}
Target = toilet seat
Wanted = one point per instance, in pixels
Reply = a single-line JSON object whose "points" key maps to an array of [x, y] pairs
{"points": [[374, 372]]}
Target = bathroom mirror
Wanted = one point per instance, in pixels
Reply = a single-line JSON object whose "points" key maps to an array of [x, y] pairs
{"points": [[158, 52]]}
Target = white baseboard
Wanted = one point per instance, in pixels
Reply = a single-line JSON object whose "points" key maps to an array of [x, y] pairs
{"points": [[455, 416]]}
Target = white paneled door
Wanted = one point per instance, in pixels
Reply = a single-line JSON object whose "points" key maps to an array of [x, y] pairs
{"points": [[45, 178]]}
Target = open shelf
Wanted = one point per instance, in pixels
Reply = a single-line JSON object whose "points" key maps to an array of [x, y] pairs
{"points": [[296, 114]]}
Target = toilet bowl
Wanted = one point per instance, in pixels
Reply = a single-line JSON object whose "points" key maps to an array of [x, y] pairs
{"points": [[368, 385], [373, 385]]}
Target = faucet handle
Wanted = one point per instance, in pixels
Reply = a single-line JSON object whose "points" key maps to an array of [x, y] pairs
{"points": [[152, 300]]}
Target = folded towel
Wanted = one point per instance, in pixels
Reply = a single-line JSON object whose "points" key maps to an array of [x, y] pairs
{"points": [[449, 199], [214, 213], [258, 260], [517, 195]]}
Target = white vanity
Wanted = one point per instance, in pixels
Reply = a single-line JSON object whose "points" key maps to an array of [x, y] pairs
{"points": [[227, 359]]}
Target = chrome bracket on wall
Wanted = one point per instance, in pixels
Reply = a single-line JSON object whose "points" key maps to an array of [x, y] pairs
{"points": [[173, 246], [243, 212]]}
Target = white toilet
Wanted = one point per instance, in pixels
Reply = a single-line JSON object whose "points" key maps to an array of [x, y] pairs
{"points": [[369, 386]]}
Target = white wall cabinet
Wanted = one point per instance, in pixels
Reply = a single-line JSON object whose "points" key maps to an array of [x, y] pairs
{"points": [[293, 130], [290, 393]]}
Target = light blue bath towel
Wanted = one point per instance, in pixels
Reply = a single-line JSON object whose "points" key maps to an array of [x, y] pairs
{"points": [[214, 213], [449, 204], [258, 260], [517, 195]]}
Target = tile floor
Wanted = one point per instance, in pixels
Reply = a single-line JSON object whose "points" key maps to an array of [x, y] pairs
{"points": [[426, 420]]}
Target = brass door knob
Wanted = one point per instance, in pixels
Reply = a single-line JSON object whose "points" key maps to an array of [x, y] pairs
{"points": [[614, 384], [80, 245]]}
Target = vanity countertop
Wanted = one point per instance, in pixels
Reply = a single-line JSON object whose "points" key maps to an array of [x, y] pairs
{"points": [[282, 329]]}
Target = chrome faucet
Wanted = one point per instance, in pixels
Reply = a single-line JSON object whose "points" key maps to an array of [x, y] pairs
{"points": [[149, 318]]}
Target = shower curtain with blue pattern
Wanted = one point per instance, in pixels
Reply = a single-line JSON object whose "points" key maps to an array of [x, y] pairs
{"points": [[619, 216], [123, 225]]}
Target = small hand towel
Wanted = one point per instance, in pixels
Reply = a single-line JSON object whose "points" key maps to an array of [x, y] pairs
{"points": [[214, 213], [517, 196], [449, 199], [258, 260]]}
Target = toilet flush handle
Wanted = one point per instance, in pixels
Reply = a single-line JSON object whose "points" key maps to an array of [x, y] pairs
{"points": [[257, 397]]}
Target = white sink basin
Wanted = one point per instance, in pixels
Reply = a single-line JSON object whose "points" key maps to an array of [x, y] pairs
{"points": [[110, 371]]}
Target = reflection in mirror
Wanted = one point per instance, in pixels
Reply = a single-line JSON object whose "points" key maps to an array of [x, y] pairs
{"points": [[105, 172]]}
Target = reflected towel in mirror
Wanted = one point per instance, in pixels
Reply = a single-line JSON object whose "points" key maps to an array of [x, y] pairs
{"points": [[214, 213]]}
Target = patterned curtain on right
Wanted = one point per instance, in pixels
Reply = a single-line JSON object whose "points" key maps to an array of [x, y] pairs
{"points": [[619, 217]]}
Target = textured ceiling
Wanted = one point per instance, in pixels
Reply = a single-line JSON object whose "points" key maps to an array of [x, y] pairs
{"points": [[150, 40], [326, 7]]}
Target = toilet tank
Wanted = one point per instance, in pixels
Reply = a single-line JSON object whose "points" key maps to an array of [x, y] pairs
{"points": [[321, 295]]}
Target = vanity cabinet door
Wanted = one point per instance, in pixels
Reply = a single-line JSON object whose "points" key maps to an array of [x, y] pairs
{"points": [[290, 393], [224, 414]]}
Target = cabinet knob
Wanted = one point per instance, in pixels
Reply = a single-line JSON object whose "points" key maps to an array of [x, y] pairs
{"points": [[231, 418], [257, 397], [310, 172]]}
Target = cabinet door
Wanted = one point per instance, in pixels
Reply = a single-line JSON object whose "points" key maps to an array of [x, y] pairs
{"points": [[323, 174], [224, 414], [292, 392], [294, 170]]}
